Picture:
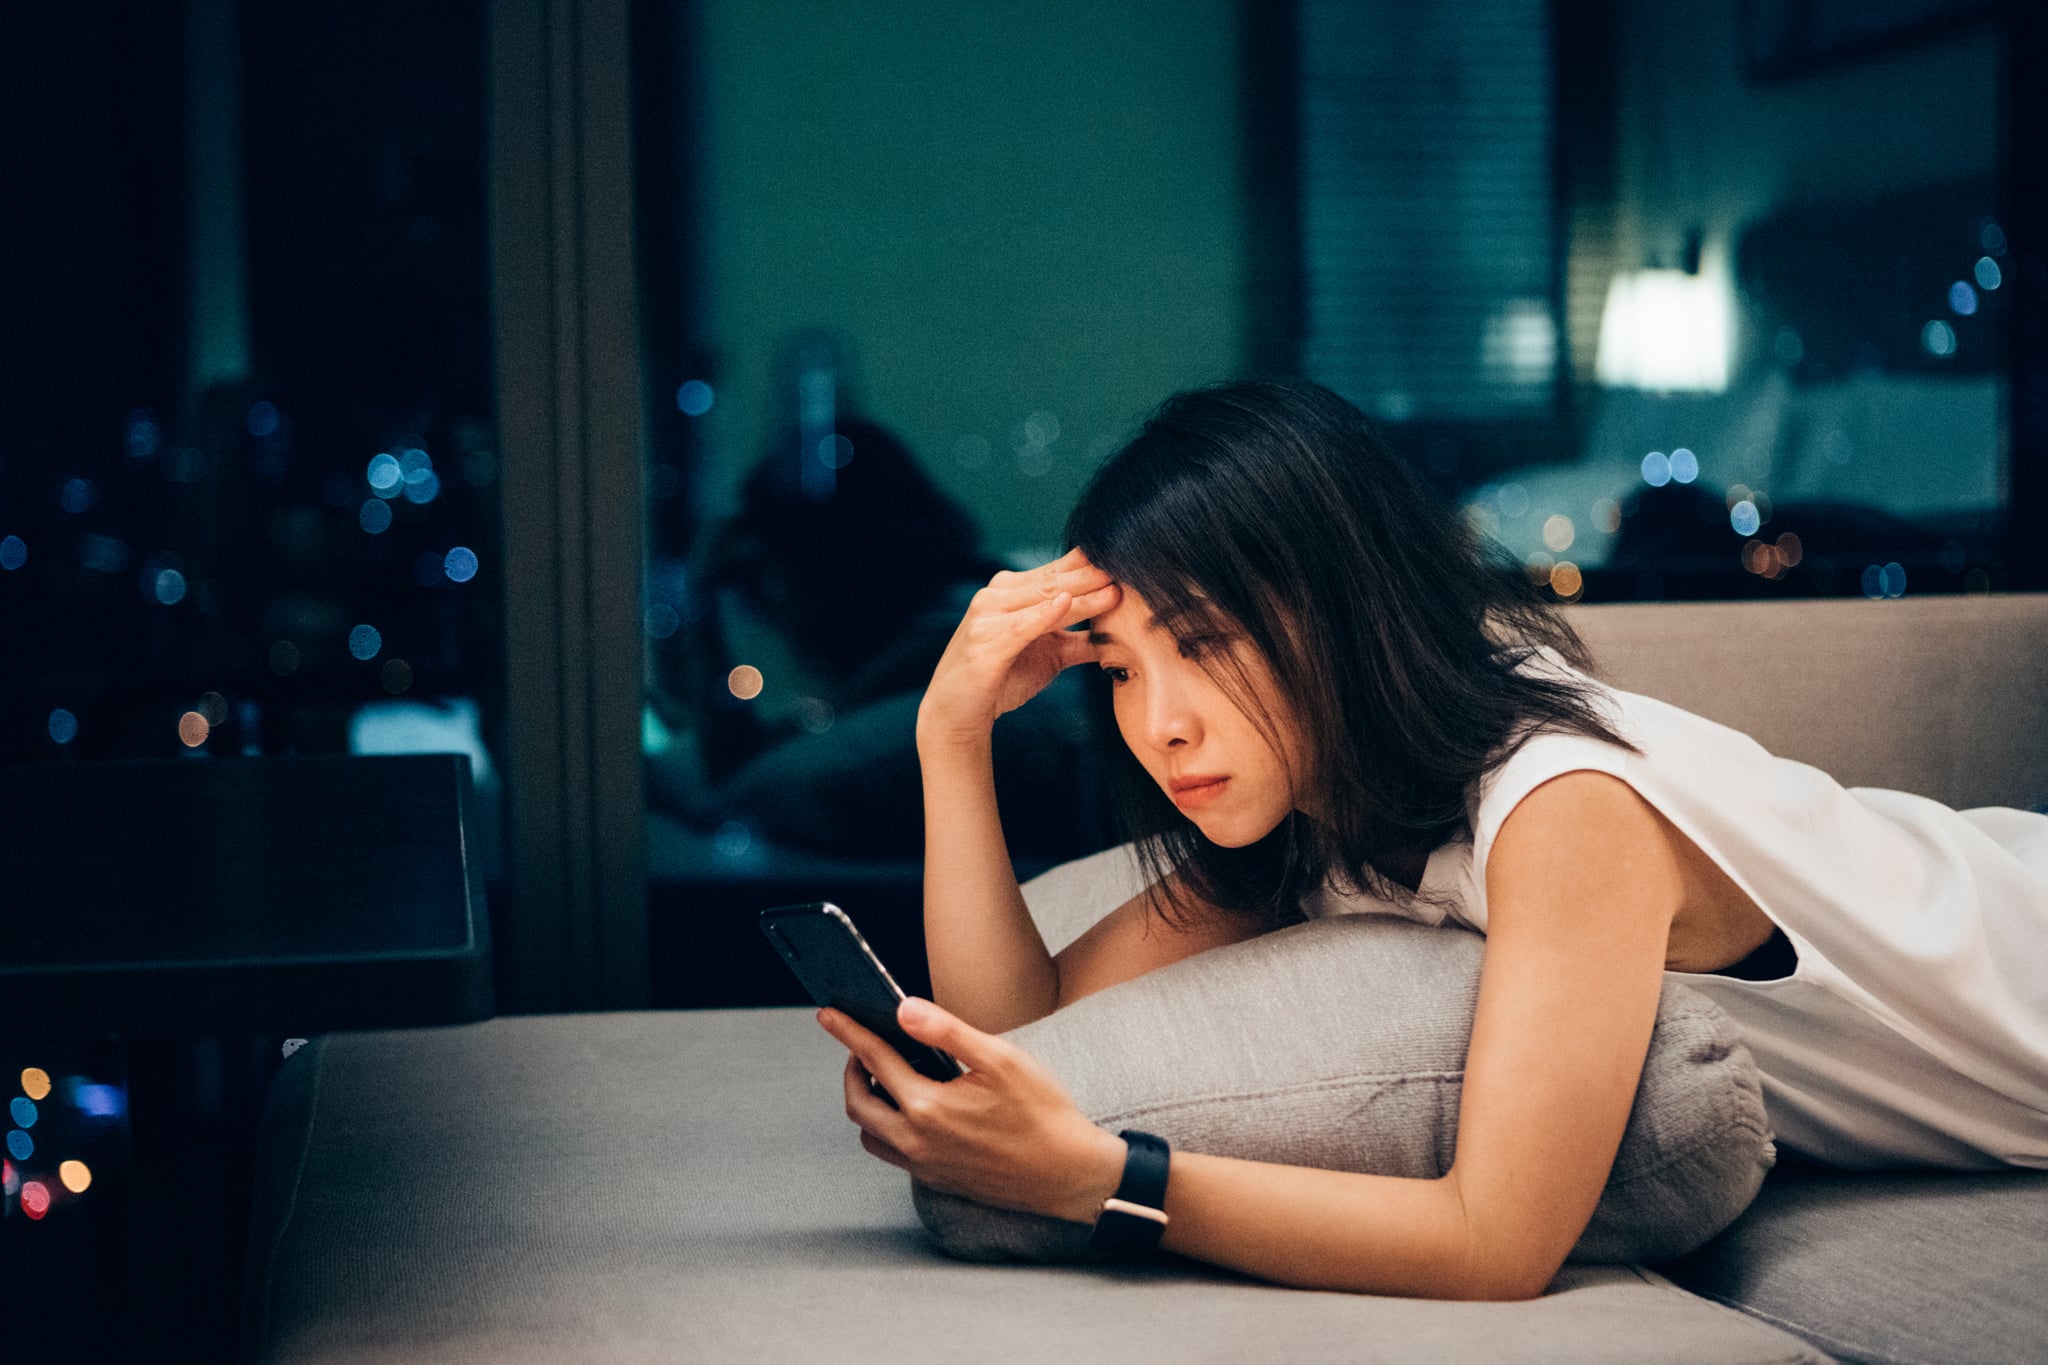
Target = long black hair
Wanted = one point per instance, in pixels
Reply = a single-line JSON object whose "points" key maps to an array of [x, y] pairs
{"points": [[1395, 634]]}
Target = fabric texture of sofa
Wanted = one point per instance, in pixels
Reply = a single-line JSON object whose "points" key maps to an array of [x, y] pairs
{"points": [[683, 1186]]}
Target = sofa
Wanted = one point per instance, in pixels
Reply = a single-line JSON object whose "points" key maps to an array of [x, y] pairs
{"points": [[679, 1185]]}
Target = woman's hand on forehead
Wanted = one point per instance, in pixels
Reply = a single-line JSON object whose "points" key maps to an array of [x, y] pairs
{"points": [[1017, 636]]}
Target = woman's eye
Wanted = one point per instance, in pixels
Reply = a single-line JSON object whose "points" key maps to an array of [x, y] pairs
{"points": [[1117, 675]]}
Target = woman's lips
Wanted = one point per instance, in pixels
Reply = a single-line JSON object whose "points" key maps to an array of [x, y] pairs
{"points": [[1190, 792]]}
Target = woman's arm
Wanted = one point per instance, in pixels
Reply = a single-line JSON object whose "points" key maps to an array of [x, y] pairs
{"points": [[1582, 885], [988, 963]]}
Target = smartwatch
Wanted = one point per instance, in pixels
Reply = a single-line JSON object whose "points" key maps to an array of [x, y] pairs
{"points": [[1134, 1218]]}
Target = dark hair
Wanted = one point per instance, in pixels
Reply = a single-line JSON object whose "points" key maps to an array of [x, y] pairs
{"points": [[1395, 634]]}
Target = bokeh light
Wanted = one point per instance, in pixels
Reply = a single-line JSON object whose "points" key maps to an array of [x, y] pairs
{"points": [[744, 682], [396, 676], [815, 714], [459, 564], [1558, 532], [144, 437], [1539, 566], [35, 1082], [1566, 580], [77, 496], [10, 1179], [262, 419], [284, 658], [1790, 550], [1685, 466], [1512, 500], [1606, 516], [213, 706], [661, 621], [22, 1110], [35, 1198], [1989, 276], [76, 1175], [1744, 518], [423, 491], [170, 587], [1938, 338], [374, 516], [835, 451], [1962, 300], [1992, 236], [384, 475], [20, 1145], [733, 839], [364, 642], [694, 398], [1656, 469], [63, 726], [13, 553], [193, 729]]}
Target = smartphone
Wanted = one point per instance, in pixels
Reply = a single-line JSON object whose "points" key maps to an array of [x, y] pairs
{"points": [[839, 969]]}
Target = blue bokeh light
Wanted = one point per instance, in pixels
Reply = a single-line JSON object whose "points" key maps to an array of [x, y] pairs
{"points": [[364, 642], [423, 490], [384, 474], [143, 437], [20, 1145], [77, 496], [1744, 517], [1685, 466], [22, 1110], [1962, 300], [63, 726], [170, 587], [459, 564], [1656, 469], [99, 1101], [694, 398], [1989, 276], [13, 553], [374, 516], [262, 419], [415, 465]]}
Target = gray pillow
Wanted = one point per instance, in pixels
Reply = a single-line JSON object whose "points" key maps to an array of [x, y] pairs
{"points": [[1340, 1043]]}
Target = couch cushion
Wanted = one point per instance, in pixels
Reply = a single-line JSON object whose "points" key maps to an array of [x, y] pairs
{"points": [[1341, 1044], [1915, 1266], [677, 1186]]}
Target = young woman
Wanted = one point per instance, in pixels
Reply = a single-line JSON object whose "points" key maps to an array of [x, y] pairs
{"points": [[1334, 700]]}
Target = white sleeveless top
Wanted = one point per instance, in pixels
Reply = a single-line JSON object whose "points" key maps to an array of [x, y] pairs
{"points": [[1914, 1030]]}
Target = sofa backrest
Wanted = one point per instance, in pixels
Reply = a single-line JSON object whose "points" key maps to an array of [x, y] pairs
{"points": [[1943, 696]]}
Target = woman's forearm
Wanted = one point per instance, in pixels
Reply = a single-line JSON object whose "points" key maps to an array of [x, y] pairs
{"points": [[1315, 1229], [988, 963]]}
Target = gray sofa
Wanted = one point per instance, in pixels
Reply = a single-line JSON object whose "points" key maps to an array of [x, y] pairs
{"points": [[665, 1186]]}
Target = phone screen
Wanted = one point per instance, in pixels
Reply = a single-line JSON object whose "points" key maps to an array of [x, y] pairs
{"points": [[840, 970]]}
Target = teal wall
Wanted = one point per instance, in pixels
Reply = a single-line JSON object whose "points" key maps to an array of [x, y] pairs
{"points": [[1008, 207]]}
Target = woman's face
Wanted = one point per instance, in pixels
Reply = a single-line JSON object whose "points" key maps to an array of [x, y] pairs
{"points": [[1209, 757]]}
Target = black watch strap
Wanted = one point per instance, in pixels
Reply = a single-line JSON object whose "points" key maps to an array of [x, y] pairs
{"points": [[1134, 1218]]}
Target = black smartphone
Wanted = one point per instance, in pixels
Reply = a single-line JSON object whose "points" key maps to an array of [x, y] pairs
{"points": [[839, 969]]}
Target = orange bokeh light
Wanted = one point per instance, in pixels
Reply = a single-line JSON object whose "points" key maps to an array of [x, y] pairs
{"points": [[193, 729]]}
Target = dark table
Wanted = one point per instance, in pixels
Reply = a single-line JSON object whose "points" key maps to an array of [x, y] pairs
{"points": [[164, 926]]}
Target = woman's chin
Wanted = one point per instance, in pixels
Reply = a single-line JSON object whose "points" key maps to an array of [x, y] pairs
{"points": [[1231, 833]]}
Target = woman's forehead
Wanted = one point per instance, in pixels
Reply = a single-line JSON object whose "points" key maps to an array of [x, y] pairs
{"points": [[1133, 615]]}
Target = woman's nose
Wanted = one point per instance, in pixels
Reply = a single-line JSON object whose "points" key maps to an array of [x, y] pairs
{"points": [[1171, 721]]}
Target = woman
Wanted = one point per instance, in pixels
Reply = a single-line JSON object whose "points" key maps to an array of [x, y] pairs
{"points": [[1336, 702]]}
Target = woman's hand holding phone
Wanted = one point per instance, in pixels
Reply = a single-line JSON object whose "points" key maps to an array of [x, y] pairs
{"points": [[1006, 1133], [1013, 641]]}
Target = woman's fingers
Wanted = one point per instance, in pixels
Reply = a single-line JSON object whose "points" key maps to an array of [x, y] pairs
{"points": [[1023, 591], [883, 1062], [871, 1109]]}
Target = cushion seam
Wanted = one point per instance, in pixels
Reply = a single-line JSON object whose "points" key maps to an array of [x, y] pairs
{"points": [[291, 1205], [1382, 1079], [1670, 1286], [1833, 1343]]}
